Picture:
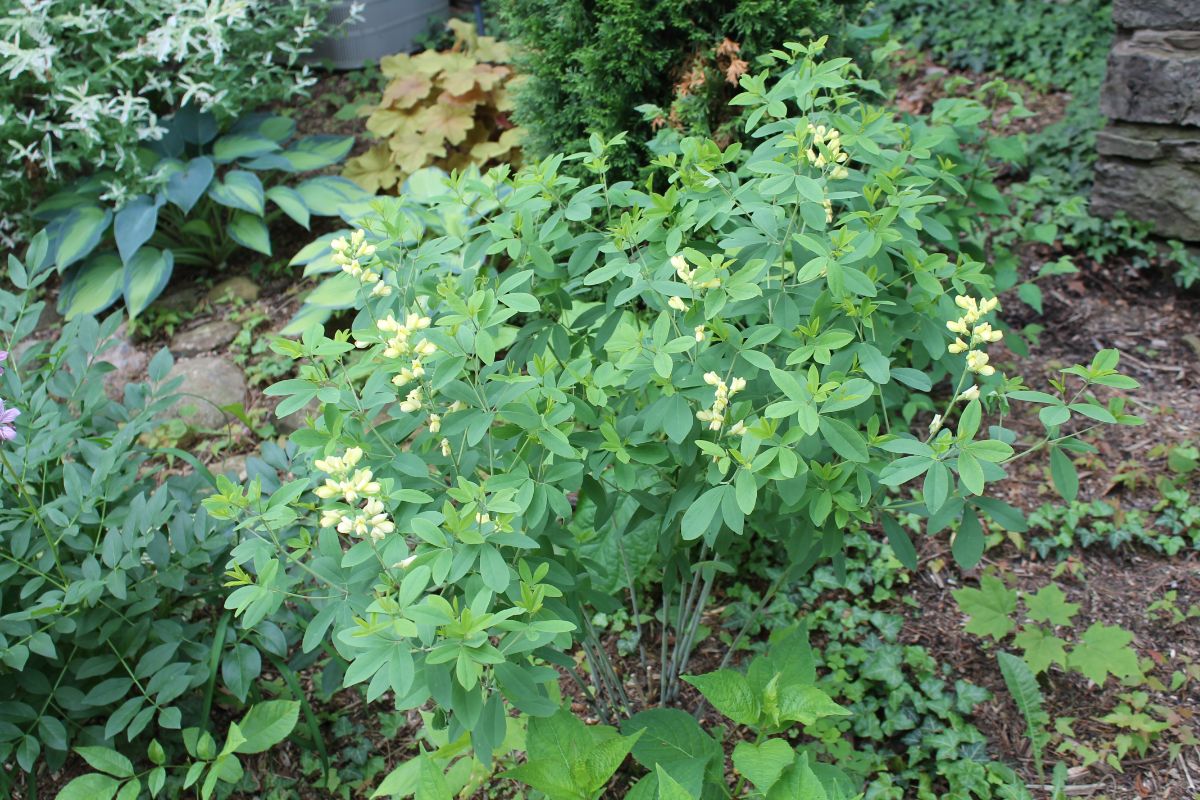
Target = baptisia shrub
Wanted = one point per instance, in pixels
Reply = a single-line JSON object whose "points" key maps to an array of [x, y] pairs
{"points": [[110, 619], [573, 392], [85, 85]]}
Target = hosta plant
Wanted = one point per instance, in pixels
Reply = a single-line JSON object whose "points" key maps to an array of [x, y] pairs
{"points": [[592, 395], [447, 109], [87, 84], [215, 193]]}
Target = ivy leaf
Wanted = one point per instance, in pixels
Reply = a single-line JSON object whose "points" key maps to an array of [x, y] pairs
{"points": [[989, 608], [1104, 650], [1050, 605]]}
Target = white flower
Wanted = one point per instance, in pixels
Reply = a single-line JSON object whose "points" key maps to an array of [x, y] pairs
{"points": [[435, 423], [935, 424], [699, 333], [969, 394], [977, 361], [737, 429], [445, 445], [677, 303], [412, 403]]}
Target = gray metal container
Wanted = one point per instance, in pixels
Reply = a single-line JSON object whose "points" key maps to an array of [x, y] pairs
{"points": [[386, 27]]}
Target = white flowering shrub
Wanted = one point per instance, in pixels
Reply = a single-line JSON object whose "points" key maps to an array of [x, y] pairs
{"points": [[85, 82], [553, 397]]}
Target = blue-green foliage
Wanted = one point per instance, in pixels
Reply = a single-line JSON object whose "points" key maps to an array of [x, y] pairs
{"points": [[111, 622], [210, 198]]}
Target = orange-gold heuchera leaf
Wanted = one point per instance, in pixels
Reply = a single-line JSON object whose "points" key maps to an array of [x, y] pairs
{"points": [[373, 170], [488, 49], [484, 152], [410, 153], [407, 90], [485, 76], [447, 121], [396, 66], [385, 122]]}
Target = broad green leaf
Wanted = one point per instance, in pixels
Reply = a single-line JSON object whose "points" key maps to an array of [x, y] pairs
{"points": [[845, 441], [107, 760], [1104, 650], [76, 234], [807, 704], [699, 515], [307, 154], [671, 789], [93, 786], [92, 287], [241, 190], [290, 202], [1064, 474], [989, 608], [969, 541], [670, 737], [1050, 604], [135, 224], [1041, 648], [145, 277], [250, 231], [267, 724], [901, 544], [327, 195], [233, 146], [730, 693], [187, 186], [762, 764]]}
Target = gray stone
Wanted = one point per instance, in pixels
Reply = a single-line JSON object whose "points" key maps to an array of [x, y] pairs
{"points": [[130, 362], [239, 287], [204, 338], [1149, 142], [1164, 192], [1157, 13], [233, 467], [186, 298], [208, 382], [1151, 79]]}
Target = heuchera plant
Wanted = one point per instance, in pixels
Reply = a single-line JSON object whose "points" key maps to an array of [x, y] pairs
{"points": [[573, 391]]}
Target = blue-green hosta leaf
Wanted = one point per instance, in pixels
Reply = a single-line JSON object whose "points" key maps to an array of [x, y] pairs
{"points": [[309, 153], [290, 202], [92, 287], [250, 231], [241, 190], [317, 248], [305, 318], [336, 292], [272, 126], [328, 195], [187, 186], [233, 146], [145, 277], [194, 125], [135, 224], [74, 235]]}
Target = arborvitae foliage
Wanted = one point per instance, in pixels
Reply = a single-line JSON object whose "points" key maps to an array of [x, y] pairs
{"points": [[589, 64]]}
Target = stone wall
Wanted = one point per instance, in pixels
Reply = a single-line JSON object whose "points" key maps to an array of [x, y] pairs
{"points": [[1149, 153]]}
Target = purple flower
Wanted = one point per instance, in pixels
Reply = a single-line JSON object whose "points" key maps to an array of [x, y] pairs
{"points": [[3, 358], [7, 415]]}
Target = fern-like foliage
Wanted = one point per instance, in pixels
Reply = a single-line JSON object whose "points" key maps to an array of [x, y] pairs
{"points": [[1023, 686]]}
